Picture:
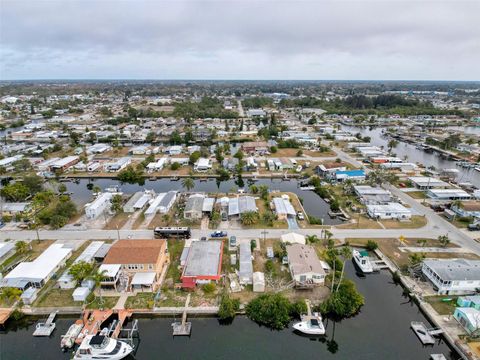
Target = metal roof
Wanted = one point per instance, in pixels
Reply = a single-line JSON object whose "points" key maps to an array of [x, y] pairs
{"points": [[203, 258], [283, 206], [455, 269], [240, 205]]}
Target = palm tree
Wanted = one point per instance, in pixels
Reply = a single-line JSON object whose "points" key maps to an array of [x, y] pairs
{"points": [[311, 239], [345, 253], [21, 247], [98, 277], [10, 294], [96, 189], [332, 254], [188, 183], [249, 218]]}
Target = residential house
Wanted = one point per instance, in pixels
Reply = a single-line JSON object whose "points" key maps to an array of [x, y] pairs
{"points": [[143, 261], [453, 276], [467, 208], [389, 210], [203, 264], [304, 265]]}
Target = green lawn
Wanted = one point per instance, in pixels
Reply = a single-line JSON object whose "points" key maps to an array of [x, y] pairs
{"points": [[416, 194], [140, 301], [56, 298], [108, 302], [441, 307]]}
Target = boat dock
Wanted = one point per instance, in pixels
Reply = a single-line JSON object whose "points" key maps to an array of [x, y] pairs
{"points": [[183, 328], [424, 334], [92, 320], [46, 328], [378, 265]]}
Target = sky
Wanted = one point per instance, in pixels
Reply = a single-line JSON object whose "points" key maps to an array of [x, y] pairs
{"points": [[243, 39]]}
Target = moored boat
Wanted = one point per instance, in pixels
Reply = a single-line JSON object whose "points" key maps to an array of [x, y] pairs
{"points": [[68, 340], [102, 347], [310, 325], [361, 259]]}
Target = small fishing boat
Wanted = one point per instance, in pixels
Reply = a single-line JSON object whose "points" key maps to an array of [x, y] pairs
{"points": [[310, 325], [68, 340], [102, 347], [361, 259]]}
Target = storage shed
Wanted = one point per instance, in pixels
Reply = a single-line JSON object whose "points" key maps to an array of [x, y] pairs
{"points": [[81, 294], [29, 296], [258, 281]]}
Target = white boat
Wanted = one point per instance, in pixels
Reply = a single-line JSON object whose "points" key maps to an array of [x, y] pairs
{"points": [[477, 168], [362, 260], [68, 340], [310, 325], [102, 347]]}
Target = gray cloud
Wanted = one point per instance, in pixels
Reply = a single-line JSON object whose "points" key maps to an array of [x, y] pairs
{"points": [[383, 39]]}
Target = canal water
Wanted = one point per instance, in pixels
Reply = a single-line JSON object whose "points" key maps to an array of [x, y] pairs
{"points": [[312, 203], [415, 155], [380, 331]]}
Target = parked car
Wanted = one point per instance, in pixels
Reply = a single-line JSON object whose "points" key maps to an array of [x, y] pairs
{"points": [[300, 216], [218, 234], [203, 238], [233, 241], [224, 216], [2, 224], [474, 227]]}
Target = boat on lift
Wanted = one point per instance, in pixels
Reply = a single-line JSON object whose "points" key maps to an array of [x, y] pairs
{"points": [[102, 347]]}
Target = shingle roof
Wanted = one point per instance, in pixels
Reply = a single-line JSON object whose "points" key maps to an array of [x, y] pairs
{"points": [[134, 252]]}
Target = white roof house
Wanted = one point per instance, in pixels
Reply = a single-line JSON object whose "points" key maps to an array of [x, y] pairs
{"points": [[283, 207], [99, 205], [240, 205], [448, 194], [453, 276], [37, 272], [293, 238], [390, 210], [258, 281], [425, 182], [245, 274], [203, 164]]}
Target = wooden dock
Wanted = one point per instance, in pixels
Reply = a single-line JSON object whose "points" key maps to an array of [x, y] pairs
{"points": [[92, 320], [45, 328], [183, 328]]}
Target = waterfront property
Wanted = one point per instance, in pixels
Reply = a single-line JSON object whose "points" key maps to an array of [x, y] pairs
{"points": [[37, 272], [101, 204], [141, 260], [203, 264], [425, 182], [467, 209], [241, 204], [453, 276], [468, 317], [448, 194], [304, 265], [197, 205]]}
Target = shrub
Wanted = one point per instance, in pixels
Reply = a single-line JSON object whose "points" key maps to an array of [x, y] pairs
{"points": [[209, 288], [343, 303], [371, 245], [175, 166], [228, 307], [271, 310]]}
